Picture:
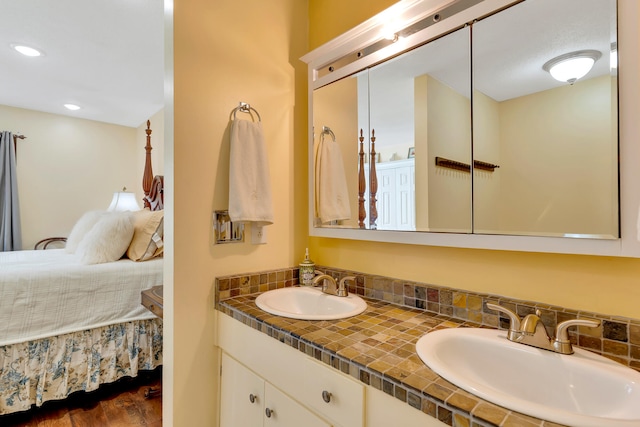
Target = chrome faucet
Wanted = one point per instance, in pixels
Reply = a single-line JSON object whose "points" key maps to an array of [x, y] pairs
{"points": [[340, 289], [531, 331]]}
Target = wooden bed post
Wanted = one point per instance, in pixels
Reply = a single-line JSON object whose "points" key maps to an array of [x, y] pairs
{"points": [[373, 184], [147, 176], [362, 185]]}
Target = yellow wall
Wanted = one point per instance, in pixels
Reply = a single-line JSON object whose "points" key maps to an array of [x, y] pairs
{"points": [[573, 192], [448, 136], [226, 51], [600, 284], [68, 166], [330, 18], [344, 124]]}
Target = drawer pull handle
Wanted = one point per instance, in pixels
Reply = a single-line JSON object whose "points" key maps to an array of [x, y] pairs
{"points": [[268, 412], [252, 398], [326, 396]]}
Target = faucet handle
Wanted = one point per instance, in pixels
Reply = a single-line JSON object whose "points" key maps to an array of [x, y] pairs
{"points": [[343, 288], [561, 330], [561, 343], [514, 325]]}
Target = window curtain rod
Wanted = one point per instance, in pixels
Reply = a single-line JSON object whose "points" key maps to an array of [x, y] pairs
{"points": [[16, 137]]}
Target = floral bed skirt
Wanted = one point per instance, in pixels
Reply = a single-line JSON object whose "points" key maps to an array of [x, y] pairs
{"points": [[34, 372]]}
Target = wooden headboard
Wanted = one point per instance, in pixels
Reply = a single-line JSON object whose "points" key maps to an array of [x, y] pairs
{"points": [[153, 186]]}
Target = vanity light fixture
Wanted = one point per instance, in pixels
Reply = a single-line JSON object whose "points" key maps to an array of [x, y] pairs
{"points": [[391, 30], [72, 107], [393, 37], [26, 50], [572, 66]]}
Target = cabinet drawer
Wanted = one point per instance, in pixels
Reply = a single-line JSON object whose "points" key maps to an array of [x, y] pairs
{"points": [[332, 393]]}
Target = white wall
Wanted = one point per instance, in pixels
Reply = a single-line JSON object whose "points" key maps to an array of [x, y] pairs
{"points": [[67, 166]]}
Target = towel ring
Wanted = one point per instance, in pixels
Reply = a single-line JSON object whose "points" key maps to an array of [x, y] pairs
{"points": [[326, 130], [243, 107]]}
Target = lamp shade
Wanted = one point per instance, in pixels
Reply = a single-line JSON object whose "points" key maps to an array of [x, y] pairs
{"points": [[123, 201], [572, 66]]}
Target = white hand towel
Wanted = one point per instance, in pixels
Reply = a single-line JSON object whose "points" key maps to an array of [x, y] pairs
{"points": [[249, 182], [331, 195]]}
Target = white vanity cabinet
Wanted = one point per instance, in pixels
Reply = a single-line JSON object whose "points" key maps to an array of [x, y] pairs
{"points": [[319, 393], [247, 400], [293, 386], [383, 410]]}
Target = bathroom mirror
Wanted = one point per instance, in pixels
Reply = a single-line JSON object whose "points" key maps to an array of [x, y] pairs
{"points": [[556, 142], [544, 152]]}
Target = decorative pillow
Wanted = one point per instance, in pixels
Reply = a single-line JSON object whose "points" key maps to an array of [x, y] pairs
{"points": [[81, 228], [108, 240], [148, 233]]}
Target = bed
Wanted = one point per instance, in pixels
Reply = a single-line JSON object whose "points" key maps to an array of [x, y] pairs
{"points": [[69, 325]]}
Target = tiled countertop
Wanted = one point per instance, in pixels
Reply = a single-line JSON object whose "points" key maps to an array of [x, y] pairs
{"points": [[377, 347]]}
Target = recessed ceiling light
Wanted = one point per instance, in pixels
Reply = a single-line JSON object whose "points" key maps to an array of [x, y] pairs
{"points": [[72, 107], [26, 50]]}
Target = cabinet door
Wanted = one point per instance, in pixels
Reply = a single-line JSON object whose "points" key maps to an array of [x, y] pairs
{"points": [[282, 411], [384, 410], [241, 395]]}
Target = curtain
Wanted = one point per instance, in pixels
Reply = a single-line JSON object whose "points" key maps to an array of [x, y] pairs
{"points": [[10, 230]]}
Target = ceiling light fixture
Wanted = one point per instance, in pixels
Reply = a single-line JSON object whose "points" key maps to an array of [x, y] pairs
{"points": [[26, 50], [572, 66], [71, 107]]}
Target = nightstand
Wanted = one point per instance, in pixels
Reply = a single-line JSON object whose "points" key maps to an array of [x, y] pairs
{"points": [[152, 300]]}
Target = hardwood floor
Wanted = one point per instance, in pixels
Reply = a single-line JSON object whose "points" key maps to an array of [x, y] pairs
{"points": [[121, 404]]}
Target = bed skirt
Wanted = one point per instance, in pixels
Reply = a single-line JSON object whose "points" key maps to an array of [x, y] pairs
{"points": [[34, 372]]}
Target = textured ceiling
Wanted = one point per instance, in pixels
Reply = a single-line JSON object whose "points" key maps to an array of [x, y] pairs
{"points": [[508, 57], [103, 55]]}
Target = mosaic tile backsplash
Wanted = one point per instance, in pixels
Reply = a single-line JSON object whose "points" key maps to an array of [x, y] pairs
{"points": [[617, 338]]}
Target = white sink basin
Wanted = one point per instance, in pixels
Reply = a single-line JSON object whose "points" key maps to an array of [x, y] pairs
{"points": [[582, 389], [309, 304]]}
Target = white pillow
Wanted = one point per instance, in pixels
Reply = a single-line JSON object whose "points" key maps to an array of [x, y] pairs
{"points": [[81, 228], [108, 239]]}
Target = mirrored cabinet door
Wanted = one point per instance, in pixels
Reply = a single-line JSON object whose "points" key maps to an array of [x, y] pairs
{"points": [[476, 131], [339, 112], [411, 110], [555, 141]]}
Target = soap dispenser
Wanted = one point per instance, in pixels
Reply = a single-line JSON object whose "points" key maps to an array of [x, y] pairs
{"points": [[307, 270]]}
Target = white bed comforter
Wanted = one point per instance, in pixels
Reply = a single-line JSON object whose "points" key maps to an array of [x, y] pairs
{"points": [[48, 292]]}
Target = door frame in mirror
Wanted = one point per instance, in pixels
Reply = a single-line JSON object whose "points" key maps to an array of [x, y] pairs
{"points": [[409, 12]]}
